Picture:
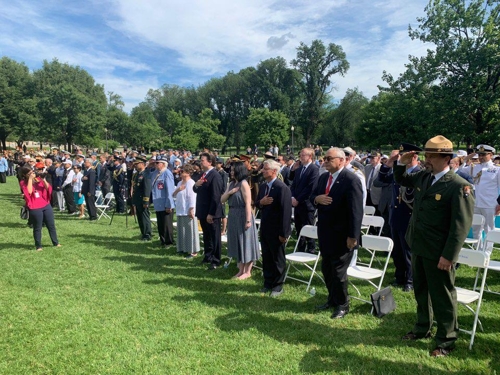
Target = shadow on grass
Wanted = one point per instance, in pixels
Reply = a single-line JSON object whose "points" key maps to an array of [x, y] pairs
{"points": [[18, 246]]}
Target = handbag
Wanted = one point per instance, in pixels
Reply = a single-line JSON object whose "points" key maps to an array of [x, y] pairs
{"points": [[383, 302], [25, 213]]}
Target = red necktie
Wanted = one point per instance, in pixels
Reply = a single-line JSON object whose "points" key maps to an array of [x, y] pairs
{"points": [[203, 176], [329, 184]]}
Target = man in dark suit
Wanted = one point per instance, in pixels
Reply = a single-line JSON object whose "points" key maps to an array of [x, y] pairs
{"points": [[274, 202], [301, 188], [209, 209], [284, 170], [88, 188], [442, 215], [338, 195]]}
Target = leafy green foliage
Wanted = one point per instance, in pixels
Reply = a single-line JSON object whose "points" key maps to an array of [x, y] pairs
{"points": [[265, 127]]}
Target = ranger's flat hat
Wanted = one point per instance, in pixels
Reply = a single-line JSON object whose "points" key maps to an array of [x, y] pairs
{"points": [[235, 158], [245, 157], [348, 150], [485, 148], [439, 145], [268, 155]]}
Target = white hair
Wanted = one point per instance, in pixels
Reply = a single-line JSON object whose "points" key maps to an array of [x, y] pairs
{"points": [[273, 164]]}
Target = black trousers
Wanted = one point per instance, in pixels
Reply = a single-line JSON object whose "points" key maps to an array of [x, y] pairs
{"points": [[335, 273], [273, 261], [3, 177], [144, 220], [401, 255], [211, 241], [37, 218], [165, 223], [68, 197], [120, 200], [90, 203], [302, 218]]}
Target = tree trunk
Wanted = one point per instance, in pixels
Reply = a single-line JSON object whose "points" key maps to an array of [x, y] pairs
{"points": [[4, 142]]}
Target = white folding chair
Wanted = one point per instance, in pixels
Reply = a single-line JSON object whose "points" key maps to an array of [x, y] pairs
{"points": [[369, 210], [476, 243], [374, 244], [479, 260], [106, 204], [368, 222], [98, 197], [493, 265], [298, 257]]}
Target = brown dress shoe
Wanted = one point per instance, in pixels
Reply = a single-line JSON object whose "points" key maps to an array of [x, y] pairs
{"points": [[410, 336], [441, 352]]}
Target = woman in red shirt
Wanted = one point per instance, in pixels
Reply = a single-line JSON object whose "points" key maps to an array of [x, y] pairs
{"points": [[37, 193]]}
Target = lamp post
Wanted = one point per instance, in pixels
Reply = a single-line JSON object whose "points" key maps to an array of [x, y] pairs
{"points": [[106, 131], [292, 129]]}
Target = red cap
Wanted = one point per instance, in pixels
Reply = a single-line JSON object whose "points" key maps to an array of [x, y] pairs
{"points": [[39, 165]]}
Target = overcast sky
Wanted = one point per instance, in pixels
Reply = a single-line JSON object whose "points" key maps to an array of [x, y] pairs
{"points": [[131, 46]]}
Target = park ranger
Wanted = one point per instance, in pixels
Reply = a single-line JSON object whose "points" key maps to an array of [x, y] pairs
{"points": [[441, 219], [486, 177], [141, 191]]}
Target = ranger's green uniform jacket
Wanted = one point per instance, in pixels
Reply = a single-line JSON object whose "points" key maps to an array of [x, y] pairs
{"points": [[442, 213]]}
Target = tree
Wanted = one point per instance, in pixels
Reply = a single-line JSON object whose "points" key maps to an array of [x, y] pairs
{"points": [[317, 64], [116, 119], [18, 114], [143, 129], [341, 122], [72, 106], [265, 127], [456, 84]]}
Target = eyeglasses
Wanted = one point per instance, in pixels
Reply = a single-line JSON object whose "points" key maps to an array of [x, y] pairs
{"points": [[330, 158]]}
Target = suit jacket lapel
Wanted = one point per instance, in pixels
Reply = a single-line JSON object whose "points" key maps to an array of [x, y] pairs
{"points": [[336, 183]]}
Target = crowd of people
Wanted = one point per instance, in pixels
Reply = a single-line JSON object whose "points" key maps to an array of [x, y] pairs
{"points": [[427, 205]]}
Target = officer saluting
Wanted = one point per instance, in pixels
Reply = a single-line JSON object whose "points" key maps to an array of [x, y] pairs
{"points": [[141, 191], [486, 176]]}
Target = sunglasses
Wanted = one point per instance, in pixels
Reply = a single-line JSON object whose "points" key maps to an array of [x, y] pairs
{"points": [[330, 158]]}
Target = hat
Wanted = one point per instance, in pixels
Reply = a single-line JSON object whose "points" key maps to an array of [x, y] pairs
{"points": [[244, 157], [235, 158], [54, 148], [67, 161], [39, 165], [162, 159], [461, 153], [406, 147], [439, 145], [80, 156], [118, 158], [140, 159], [385, 156], [374, 154], [66, 153], [348, 151], [93, 154], [268, 155], [27, 157], [219, 161], [485, 148]]}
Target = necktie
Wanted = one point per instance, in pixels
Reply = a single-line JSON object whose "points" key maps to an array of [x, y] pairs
{"points": [[267, 190], [302, 172], [368, 183], [203, 176], [329, 184], [431, 180]]}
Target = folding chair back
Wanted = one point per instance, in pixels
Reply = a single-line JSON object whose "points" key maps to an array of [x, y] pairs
{"points": [[106, 204], [298, 257], [372, 221], [492, 238], [374, 245], [369, 210], [476, 241], [479, 260]]}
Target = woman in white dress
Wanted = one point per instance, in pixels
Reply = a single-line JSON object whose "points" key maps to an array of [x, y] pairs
{"points": [[188, 238]]}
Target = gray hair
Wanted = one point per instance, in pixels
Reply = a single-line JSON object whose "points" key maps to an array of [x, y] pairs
{"points": [[89, 160], [338, 151], [273, 164]]}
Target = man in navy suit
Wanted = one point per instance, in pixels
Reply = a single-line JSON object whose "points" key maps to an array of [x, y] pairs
{"points": [[274, 202], [301, 188], [338, 196], [209, 209]]}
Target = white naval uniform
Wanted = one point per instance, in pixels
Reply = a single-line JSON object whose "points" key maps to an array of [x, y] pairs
{"points": [[486, 178]]}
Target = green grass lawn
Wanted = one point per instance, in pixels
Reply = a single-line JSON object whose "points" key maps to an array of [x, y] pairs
{"points": [[106, 303]]}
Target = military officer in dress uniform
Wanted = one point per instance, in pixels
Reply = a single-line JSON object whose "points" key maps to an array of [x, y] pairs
{"points": [[119, 181], [400, 210], [141, 191], [442, 216], [486, 177], [352, 167]]}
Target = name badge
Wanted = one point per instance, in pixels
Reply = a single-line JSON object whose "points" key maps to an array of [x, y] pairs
{"points": [[438, 197], [37, 194]]}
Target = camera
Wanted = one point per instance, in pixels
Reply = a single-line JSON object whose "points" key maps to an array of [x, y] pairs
{"points": [[40, 174]]}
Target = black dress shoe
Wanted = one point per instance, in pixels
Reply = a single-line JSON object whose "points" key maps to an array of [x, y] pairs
{"points": [[441, 352], [340, 312], [212, 267], [408, 288], [265, 290], [325, 306]]}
